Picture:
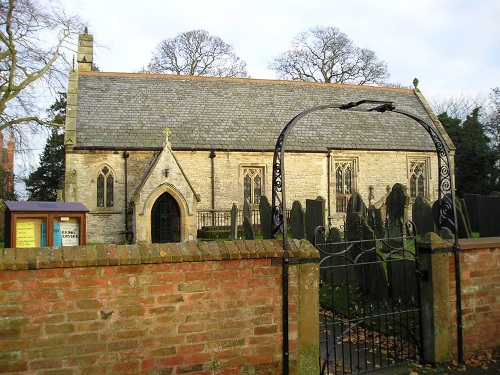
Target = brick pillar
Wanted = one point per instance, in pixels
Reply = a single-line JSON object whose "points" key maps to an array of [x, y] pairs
{"points": [[435, 298]]}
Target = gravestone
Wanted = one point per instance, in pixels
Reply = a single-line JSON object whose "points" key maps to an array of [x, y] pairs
{"points": [[489, 215], [246, 210], [336, 263], [376, 222], [462, 220], [397, 213], [248, 229], [368, 266], [402, 276], [297, 221], [356, 204], [422, 216], [234, 222], [266, 217], [315, 217]]}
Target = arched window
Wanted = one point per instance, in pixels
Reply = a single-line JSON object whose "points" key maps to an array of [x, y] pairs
{"points": [[253, 179], [105, 184], [345, 183], [418, 179]]}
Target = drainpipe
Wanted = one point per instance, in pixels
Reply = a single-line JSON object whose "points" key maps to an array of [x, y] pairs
{"points": [[329, 178], [125, 167], [212, 168]]}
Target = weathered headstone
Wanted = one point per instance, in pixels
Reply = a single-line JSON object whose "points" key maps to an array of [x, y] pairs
{"points": [[370, 273], [356, 204], [315, 217], [266, 217], [234, 222], [297, 221], [402, 276], [422, 216], [462, 220], [397, 213], [246, 210], [335, 263], [248, 229], [376, 222]]}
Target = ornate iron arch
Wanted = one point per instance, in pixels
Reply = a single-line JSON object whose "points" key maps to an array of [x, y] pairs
{"points": [[447, 207]]}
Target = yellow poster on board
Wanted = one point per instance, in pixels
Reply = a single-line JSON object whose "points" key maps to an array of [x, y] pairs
{"points": [[25, 234]]}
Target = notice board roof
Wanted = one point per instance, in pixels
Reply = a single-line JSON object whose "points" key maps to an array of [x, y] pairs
{"points": [[39, 206]]}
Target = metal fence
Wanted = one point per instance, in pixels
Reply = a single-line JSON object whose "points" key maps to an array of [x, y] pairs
{"points": [[215, 218]]}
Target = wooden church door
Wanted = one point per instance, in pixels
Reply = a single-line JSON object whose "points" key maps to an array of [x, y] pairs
{"points": [[165, 220]]}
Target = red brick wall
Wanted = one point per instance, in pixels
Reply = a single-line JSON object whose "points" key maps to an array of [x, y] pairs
{"points": [[480, 284], [195, 308]]}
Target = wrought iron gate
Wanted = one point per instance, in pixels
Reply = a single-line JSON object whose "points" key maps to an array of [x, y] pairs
{"points": [[447, 210], [369, 303]]}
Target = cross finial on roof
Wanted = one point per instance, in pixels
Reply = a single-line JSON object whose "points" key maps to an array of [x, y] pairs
{"points": [[167, 133]]}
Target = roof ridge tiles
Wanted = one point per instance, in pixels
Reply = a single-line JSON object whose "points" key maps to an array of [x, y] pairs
{"points": [[249, 80]]}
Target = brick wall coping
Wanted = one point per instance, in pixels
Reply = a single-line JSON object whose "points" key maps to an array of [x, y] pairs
{"points": [[479, 243], [117, 255]]}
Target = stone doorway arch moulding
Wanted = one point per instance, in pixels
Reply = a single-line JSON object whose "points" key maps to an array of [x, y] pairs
{"points": [[143, 214]]}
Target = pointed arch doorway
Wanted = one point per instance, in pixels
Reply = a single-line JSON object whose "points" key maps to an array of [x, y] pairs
{"points": [[165, 220]]}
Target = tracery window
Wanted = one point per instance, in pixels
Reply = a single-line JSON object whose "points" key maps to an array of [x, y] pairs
{"points": [[345, 183], [418, 179], [253, 181], [105, 185]]}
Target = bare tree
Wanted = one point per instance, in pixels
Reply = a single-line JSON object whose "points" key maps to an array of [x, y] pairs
{"points": [[33, 35], [325, 54], [196, 53], [459, 106]]}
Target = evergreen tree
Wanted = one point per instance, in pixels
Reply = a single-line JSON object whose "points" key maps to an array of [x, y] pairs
{"points": [[5, 194], [475, 168], [43, 183]]}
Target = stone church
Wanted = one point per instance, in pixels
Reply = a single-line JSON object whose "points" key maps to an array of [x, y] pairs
{"points": [[147, 154]]}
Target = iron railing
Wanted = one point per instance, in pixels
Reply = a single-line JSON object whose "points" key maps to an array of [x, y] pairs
{"points": [[369, 304]]}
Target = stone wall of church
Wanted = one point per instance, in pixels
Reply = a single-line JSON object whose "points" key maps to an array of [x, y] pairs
{"points": [[306, 177], [104, 225]]}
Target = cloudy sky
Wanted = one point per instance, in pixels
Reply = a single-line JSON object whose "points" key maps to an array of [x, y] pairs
{"points": [[451, 46]]}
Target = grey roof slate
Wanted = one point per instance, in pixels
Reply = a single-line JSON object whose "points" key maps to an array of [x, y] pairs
{"points": [[122, 110]]}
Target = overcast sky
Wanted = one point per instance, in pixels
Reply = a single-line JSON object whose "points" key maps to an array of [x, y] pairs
{"points": [[451, 46]]}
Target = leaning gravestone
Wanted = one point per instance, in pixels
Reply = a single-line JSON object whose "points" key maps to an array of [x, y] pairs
{"points": [[315, 217], [248, 229], [297, 221], [422, 216], [266, 218]]}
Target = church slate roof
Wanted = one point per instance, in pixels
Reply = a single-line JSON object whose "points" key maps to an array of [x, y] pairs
{"points": [[131, 111]]}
